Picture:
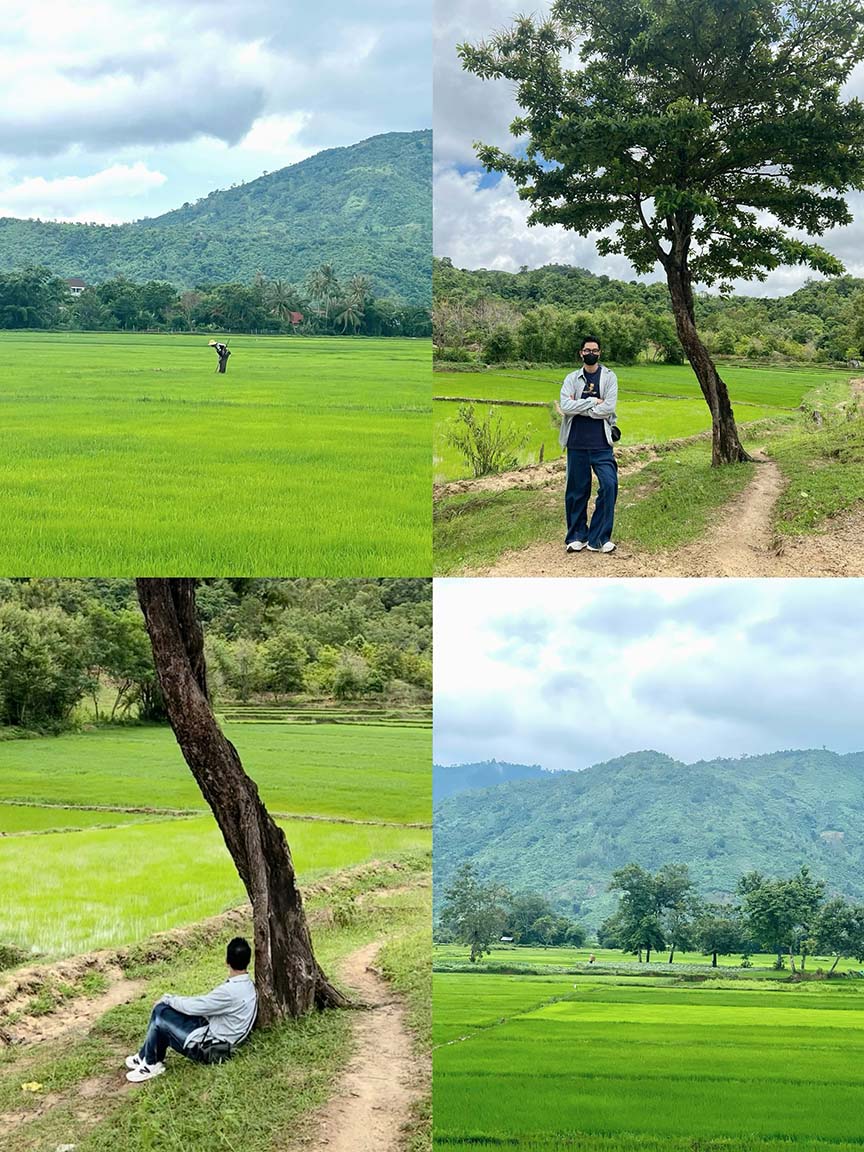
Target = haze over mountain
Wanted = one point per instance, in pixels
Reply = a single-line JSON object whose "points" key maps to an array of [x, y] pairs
{"points": [[365, 209], [448, 779], [564, 833]]}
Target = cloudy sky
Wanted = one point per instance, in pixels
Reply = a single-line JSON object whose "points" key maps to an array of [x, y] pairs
{"points": [[113, 110], [568, 673], [480, 221]]}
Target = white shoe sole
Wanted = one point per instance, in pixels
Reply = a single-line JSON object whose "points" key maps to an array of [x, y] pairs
{"points": [[139, 1076], [571, 548]]}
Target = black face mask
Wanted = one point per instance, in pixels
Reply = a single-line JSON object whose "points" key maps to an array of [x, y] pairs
{"points": [[590, 358]]}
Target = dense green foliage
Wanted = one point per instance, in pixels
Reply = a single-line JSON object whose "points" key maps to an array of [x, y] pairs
{"points": [[33, 298], [448, 779], [365, 209], [128, 453], [542, 314], [63, 639], [615, 1064], [567, 833]]}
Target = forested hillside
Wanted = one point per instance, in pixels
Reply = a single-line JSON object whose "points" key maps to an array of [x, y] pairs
{"points": [[565, 833], [366, 209]]}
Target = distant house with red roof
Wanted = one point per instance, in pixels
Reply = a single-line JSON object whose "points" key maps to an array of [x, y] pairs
{"points": [[75, 285]]}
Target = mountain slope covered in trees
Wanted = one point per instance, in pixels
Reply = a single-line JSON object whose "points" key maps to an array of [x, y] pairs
{"points": [[366, 209], [450, 779], [565, 833]]}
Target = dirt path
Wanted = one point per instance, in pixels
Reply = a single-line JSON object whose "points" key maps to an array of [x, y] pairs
{"points": [[373, 1099], [740, 543]]}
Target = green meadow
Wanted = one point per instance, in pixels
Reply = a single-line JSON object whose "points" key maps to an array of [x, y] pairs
{"points": [[363, 772], [608, 1064], [127, 452], [78, 891], [656, 403], [84, 879]]}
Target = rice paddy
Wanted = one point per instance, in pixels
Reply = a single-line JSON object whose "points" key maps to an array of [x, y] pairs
{"points": [[127, 452], [611, 1063], [105, 877], [656, 403]]}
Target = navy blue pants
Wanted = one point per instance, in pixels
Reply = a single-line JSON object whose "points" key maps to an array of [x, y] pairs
{"points": [[168, 1028], [580, 463]]}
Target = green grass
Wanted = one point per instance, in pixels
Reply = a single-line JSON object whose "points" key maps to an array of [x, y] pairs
{"points": [[369, 772], [541, 958], [825, 473], [23, 818], [472, 530], [656, 403], [124, 453], [606, 1064], [79, 891], [644, 420], [778, 387], [264, 1098]]}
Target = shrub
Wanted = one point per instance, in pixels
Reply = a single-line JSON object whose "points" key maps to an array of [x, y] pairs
{"points": [[487, 446]]}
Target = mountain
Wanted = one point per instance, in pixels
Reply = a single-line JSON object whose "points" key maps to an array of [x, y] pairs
{"points": [[364, 209], [564, 834], [448, 779]]}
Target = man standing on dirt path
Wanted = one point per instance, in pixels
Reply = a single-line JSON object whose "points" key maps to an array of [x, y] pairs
{"points": [[588, 399], [223, 352], [204, 1028]]}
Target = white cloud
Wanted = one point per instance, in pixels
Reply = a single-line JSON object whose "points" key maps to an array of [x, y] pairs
{"points": [[65, 197], [486, 227], [538, 671], [207, 91]]}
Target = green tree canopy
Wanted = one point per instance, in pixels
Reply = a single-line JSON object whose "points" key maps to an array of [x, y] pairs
{"points": [[709, 136]]}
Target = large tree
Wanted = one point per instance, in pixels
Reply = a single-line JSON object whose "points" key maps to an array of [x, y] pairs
{"points": [[473, 913], [710, 137], [287, 976]]}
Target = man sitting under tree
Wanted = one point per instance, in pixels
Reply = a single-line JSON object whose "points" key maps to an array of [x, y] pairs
{"points": [[223, 352], [203, 1028]]}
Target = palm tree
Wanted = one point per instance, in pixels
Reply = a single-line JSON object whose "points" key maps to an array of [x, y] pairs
{"points": [[323, 286], [348, 313]]}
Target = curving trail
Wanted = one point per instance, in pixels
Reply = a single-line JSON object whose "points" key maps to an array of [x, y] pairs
{"points": [[373, 1099], [741, 543]]}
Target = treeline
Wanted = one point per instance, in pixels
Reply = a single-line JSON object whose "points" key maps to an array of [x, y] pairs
{"points": [[64, 641], [788, 916], [480, 915], [33, 297], [541, 315]]}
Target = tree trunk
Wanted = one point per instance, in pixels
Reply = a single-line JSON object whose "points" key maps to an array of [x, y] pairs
{"points": [[726, 447], [713, 959], [834, 965], [672, 954], [647, 955], [287, 976]]}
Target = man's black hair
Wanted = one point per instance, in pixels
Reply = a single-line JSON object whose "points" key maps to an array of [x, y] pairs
{"points": [[239, 954], [589, 340]]}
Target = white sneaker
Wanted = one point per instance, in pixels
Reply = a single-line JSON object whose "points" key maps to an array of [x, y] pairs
{"points": [[576, 545], [134, 1061], [607, 547], [145, 1072]]}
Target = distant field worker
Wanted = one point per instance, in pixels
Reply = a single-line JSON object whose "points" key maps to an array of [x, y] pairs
{"points": [[223, 352], [588, 431]]}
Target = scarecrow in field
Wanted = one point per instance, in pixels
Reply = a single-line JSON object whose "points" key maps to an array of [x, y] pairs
{"points": [[223, 352], [203, 1028]]}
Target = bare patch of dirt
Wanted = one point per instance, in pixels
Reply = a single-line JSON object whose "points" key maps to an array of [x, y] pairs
{"points": [[741, 543], [373, 1100], [75, 1015]]}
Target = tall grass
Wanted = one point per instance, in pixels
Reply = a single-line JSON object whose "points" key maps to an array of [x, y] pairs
{"points": [[123, 453], [610, 1065]]}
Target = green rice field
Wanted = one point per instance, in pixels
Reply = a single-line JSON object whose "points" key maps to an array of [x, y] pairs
{"points": [[656, 403], [359, 772], [75, 879], [81, 890], [127, 452], [613, 1064]]}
